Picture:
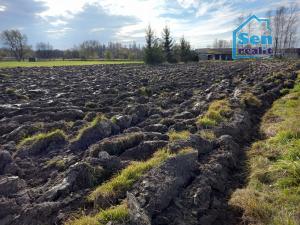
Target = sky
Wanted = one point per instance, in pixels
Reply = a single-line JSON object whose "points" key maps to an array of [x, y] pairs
{"points": [[65, 23]]}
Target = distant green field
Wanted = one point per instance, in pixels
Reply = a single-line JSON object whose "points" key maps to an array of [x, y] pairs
{"points": [[63, 63]]}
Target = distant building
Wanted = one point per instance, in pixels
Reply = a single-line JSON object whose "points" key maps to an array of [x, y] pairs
{"points": [[215, 53], [226, 53], [292, 53]]}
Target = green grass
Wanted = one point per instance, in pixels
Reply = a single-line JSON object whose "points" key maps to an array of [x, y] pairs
{"points": [[179, 135], [118, 144], [42, 137], [119, 184], [56, 162], [90, 125], [117, 214], [272, 196], [62, 63], [218, 112]]}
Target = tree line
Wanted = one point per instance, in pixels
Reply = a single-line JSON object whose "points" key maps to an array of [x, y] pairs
{"points": [[165, 49], [16, 46], [156, 50]]}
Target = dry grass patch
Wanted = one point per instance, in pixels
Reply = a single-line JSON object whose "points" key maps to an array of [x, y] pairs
{"points": [[272, 195], [179, 135], [250, 100], [207, 134]]}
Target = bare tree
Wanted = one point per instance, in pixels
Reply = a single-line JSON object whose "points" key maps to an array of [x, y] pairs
{"points": [[44, 50], [16, 42], [90, 49], [284, 23], [291, 26], [221, 44]]}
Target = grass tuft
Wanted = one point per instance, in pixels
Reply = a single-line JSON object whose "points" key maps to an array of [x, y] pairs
{"points": [[207, 134], [256, 207], [42, 136], [56, 162], [92, 124], [145, 91], [179, 135], [218, 111], [10, 91], [118, 214], [119, 184]]}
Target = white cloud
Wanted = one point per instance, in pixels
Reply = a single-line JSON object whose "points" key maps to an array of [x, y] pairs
{"points": [[206, 20], [58, 22], [218, 21], [63, 8], [206, 7], [97, 29], [58, 33], [188, 3], [62, 30], [59, 12], [2, 8]]}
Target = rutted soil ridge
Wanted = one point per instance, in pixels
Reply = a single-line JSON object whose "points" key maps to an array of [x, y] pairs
{"points": [[65, 131]]}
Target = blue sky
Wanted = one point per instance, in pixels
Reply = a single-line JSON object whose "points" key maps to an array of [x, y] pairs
{"points": [[64, 23]]}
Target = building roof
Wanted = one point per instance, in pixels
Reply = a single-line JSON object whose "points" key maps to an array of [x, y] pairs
{"points": [[214, 50]]}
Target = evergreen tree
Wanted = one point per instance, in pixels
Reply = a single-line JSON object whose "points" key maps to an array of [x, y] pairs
{"points": [[152, 52], [185, 50], [167, 44]]}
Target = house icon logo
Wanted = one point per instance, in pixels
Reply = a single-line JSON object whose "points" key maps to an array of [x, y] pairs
{"points": [[252, 39]]}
